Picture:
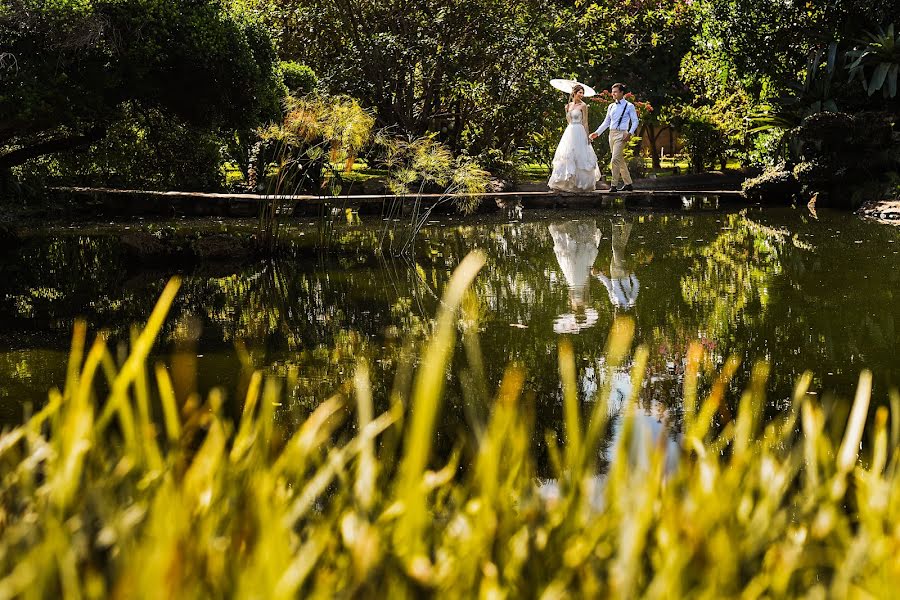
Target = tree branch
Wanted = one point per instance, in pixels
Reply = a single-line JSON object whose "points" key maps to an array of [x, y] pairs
{"points": [[20, 155]]}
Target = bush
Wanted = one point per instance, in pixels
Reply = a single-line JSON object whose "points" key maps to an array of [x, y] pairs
{"points": [[813, 173], [79, 63], [298, 79], [772, 187], [873, 129], [146, 149], [846, 159], [637, 168], [501, 165], [704, 140], [824, 134], [768, 148]]}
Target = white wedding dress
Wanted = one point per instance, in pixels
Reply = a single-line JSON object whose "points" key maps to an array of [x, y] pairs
{"points": [[575, 166]]}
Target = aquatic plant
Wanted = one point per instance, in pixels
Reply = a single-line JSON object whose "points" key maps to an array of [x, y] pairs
{"points": [[414, 166], [317, 132], [119, 485]]}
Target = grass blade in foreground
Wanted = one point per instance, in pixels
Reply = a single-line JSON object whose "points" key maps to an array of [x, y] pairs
{"points": [[89, 507]]}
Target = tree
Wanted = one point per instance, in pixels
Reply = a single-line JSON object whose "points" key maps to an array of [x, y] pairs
{"points": [[641, 45], [474, 71], [772, 40], [71, 67]]}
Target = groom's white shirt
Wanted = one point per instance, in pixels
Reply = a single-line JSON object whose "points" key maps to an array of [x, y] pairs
{"points": [[614, 114]]}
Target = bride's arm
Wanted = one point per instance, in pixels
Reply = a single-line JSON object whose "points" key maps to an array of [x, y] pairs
{"points": [[568, 118], [586, 120]]}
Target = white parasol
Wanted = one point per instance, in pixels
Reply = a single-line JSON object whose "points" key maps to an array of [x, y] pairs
{"points": [[566, 85]]}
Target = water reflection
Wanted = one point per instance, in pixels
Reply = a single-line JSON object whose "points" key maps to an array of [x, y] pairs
{"points": [[575, 246], [775, 284], [622, 284], [639, 427]]}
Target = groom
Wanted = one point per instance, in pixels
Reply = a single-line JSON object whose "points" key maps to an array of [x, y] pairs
{"points": [[622, 121]]}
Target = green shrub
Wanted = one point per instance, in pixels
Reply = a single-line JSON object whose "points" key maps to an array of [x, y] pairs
{"points": [[704, 141], [813, 173], [299, 79], [772, 187], [637, 168], [80, 65], [873, 129], [502, 165], [146, 149], [824, 134], [846, 159]]}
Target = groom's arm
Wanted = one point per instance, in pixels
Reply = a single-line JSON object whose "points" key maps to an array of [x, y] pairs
{"points": [[634, 121], [603, 126]]}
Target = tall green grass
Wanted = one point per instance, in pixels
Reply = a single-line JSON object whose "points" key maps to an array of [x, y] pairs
{"points": [[136, 492]]}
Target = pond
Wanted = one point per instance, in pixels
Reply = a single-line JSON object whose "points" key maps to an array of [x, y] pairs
{"points": [[802, 291]]}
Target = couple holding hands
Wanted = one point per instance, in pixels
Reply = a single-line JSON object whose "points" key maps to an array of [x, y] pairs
{"points": [[575, 166]]}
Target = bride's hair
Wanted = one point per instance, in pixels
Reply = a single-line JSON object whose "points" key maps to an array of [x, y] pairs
{"points": [[575, 89]]}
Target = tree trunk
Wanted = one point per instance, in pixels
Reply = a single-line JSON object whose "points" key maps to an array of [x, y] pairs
{"points": [[651, 133]]}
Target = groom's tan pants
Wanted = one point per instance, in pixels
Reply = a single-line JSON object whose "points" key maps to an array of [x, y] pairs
{"points": [[617, 165]]}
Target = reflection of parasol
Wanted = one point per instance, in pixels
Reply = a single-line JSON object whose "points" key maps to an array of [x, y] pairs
{"points": [[566, 85]]}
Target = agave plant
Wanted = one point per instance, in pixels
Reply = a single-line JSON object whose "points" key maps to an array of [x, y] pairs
{"points": [[877, 62]]}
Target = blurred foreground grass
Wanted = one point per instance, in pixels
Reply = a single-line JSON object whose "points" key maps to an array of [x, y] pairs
{"points": [[131, 493]]}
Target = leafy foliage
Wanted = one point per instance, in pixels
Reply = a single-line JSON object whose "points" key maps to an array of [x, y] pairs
{"points": [[881, 54], [424, 164], [768, 39], [316, 132], [846, 159], [435, 66], [712, 133], [145, 149], [772, 187], [299, 79], [75, 64]]}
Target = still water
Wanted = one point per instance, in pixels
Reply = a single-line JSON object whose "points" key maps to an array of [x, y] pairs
{"points": [[818, 292]]}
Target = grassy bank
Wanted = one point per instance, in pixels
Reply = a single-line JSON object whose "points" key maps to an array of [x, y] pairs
{"points": [[125, 484]]}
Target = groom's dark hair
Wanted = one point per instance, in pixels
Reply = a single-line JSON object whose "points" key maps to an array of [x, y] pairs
{"points": [[621, 87]]}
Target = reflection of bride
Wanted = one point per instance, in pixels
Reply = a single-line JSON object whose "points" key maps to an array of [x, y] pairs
{"points": [[575, 166], [575, 245], [622, 284]]}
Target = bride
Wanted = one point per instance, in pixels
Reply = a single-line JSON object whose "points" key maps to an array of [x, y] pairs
{"points": [[575, 163]]}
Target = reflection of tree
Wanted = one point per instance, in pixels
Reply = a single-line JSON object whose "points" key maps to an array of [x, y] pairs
{"points": [[751, 289], [729, 279]]}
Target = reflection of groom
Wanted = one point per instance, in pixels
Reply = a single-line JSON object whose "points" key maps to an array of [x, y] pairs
{"points": [[622, 284], [622, 121]]}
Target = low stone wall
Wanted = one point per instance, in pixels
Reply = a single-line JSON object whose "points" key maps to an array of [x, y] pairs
{"points": [[883, 211]]}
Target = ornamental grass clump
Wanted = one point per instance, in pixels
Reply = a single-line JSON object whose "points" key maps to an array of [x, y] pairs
{"points": [[117, 487]]}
